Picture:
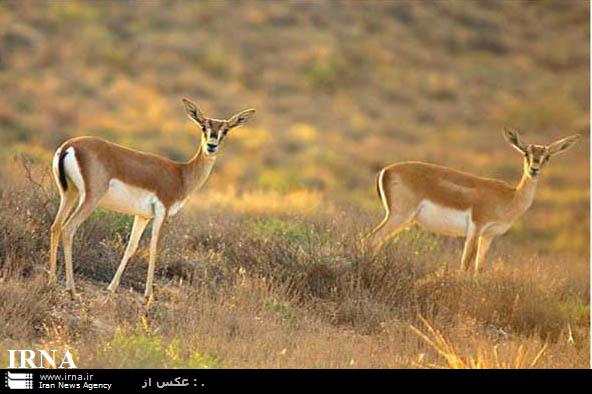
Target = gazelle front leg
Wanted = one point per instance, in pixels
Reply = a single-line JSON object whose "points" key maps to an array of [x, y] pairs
{"points": [[470, 248], [138, 227], [159, 218], [482, 248]]}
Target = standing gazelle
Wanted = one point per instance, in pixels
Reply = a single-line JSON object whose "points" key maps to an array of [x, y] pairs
{"points": [[450, 202], [91, 172]]}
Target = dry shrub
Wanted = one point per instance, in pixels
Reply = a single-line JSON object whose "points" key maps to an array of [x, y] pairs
{"points": [[243, 290], [517, 301], [25, 307], [481, 359], [25, 216]]}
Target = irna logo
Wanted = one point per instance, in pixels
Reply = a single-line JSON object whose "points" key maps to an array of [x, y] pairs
{"points": [[40, 359]]}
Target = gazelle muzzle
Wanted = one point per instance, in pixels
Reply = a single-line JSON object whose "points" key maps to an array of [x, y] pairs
{"points": [[211, 148]]}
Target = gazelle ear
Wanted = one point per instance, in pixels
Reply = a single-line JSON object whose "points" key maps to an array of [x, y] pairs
{"points": [[563, 144], [193, 112], [513, 137], [240, 118]]}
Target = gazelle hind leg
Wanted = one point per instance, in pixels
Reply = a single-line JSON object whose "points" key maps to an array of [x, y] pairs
{"points": [[68, 200], [85, 207], [369, 235], [393, 225], [138, 227]]}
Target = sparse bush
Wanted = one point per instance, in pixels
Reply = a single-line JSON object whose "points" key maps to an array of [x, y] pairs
{"points": [[25, 307]]}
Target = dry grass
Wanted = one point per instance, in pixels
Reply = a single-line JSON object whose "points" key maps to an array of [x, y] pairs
{"points": [[238, 290], [483, 359]]}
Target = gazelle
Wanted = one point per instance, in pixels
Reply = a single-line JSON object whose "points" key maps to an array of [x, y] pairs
{"points": [[450, 202], [91, 172]]}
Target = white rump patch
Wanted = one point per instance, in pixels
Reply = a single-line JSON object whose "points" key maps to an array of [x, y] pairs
{"points": [[72, 170], [442, 220]]}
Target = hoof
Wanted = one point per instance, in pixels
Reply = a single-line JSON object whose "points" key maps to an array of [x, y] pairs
{"points": [[148, 300], [74, 296], [106, 297]]}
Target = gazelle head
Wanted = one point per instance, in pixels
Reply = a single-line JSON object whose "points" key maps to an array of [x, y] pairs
{"points": [[214, 130], [537, 156]]}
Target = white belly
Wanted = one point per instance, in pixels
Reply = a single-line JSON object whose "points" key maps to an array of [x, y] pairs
{"points": [[132, 200], [442, 220]]}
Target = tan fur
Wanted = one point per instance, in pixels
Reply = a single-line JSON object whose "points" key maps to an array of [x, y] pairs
{"points": [[443, 199], [452, 189], [102, 173], [171, 181]]}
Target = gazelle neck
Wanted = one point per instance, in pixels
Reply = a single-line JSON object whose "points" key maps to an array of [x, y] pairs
{"points": [[197, 170], [525, 191]]}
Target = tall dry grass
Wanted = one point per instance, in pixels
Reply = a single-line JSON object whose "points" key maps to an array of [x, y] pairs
{"points": [[236, 289], [483, 359]]}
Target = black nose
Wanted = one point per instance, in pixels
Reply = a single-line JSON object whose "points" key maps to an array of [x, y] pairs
{"points": [[212, 147], [534, 171]]}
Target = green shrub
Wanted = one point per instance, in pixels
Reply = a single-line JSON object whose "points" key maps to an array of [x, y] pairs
{"points": [[283, 310], [141, 349], [293, 232]]}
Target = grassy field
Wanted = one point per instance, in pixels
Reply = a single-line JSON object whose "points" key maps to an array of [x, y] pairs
{"points": [[263, 267], [243, 289]]}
